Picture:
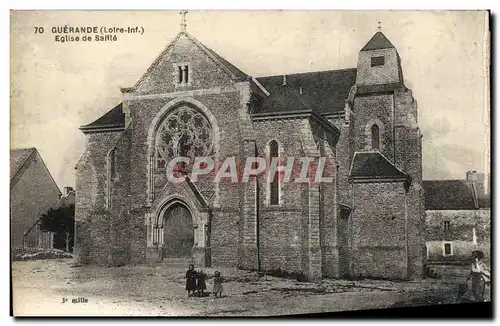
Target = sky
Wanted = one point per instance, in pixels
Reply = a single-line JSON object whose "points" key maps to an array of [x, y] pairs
{"points": [[56, 87]]}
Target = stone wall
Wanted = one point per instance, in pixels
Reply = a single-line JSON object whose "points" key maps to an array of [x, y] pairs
{"points": [[369, 110], [93, 219], [377, 228], [464, 224], [299, 233], [384, 74], [344, 154], [211, 91]]}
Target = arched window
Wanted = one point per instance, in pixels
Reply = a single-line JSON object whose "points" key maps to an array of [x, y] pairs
{"points": [[184, 132], [375, 137], [274, 185]]}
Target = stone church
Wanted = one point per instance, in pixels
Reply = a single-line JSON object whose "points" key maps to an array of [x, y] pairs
{"points": [[367, 222]]}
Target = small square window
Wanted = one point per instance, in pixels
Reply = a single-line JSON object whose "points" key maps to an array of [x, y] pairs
{"points": [[446, 225], [378, 61], [447, 249]]}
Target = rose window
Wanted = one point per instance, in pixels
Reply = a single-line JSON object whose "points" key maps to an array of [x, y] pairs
{"points": [[185, 132]]}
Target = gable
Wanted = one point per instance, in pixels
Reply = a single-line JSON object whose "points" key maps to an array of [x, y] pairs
{"points": [[206, 68], [33, 174]]}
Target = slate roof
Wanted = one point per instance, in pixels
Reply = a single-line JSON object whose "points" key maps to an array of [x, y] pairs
{"points": [[114, 118], [18, 157], [283, 99], [448, 195], [326, 91], [378, 41], [373, 165]]}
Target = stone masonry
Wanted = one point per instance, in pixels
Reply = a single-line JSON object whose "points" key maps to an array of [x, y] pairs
{"points": [[124, 197]]}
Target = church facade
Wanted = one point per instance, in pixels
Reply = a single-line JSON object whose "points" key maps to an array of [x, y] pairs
{"points": [[367, 221]]}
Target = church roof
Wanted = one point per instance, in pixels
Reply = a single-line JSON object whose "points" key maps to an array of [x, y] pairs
{"points": [[326, 91], [19, 156], [374, 165], [285, 99], [448, 195], [378, 41], [113, 119]]}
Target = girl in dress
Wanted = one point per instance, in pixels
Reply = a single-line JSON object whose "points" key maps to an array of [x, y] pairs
{"points": [[190, 280], [480, 275], [218, 284], [202, 286]]}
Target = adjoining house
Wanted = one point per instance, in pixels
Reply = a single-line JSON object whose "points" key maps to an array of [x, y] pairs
{"points": [[457, 218], [33, 192]]}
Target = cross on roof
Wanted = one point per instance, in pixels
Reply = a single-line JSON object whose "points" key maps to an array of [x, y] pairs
{"points": [[183, 14]]}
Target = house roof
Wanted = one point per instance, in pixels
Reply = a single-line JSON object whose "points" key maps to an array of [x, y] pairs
{"points": [[378, 41], [19, 156], [448, 195], [113, 119], [374, 165], [326, 91], [484, 201]]}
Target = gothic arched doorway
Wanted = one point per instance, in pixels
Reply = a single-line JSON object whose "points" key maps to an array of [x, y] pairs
{"points": [[178, 231]]}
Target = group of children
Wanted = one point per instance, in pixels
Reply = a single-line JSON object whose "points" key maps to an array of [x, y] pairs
{"points": [[479, 275], [196, 286]]}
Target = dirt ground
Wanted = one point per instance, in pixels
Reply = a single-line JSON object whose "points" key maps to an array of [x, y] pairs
{"points": [[49, 287]]}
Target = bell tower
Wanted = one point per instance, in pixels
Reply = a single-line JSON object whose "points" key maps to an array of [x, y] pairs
{"points": [[379, 63], [386, 121]]}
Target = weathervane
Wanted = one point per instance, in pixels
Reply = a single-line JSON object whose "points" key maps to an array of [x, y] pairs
{"points": [[183, 14], [379, 28]]}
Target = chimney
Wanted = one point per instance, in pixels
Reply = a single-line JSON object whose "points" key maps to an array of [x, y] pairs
{"points": [[471, 176], [480, 186], [471, 179]]}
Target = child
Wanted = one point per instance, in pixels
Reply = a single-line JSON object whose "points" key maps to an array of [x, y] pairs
{"points": [[201, 286], [480, 275], [218, 284], [191, 280]]}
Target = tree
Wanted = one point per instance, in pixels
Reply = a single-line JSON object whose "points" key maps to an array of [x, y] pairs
{"points": [[60, 221]]}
